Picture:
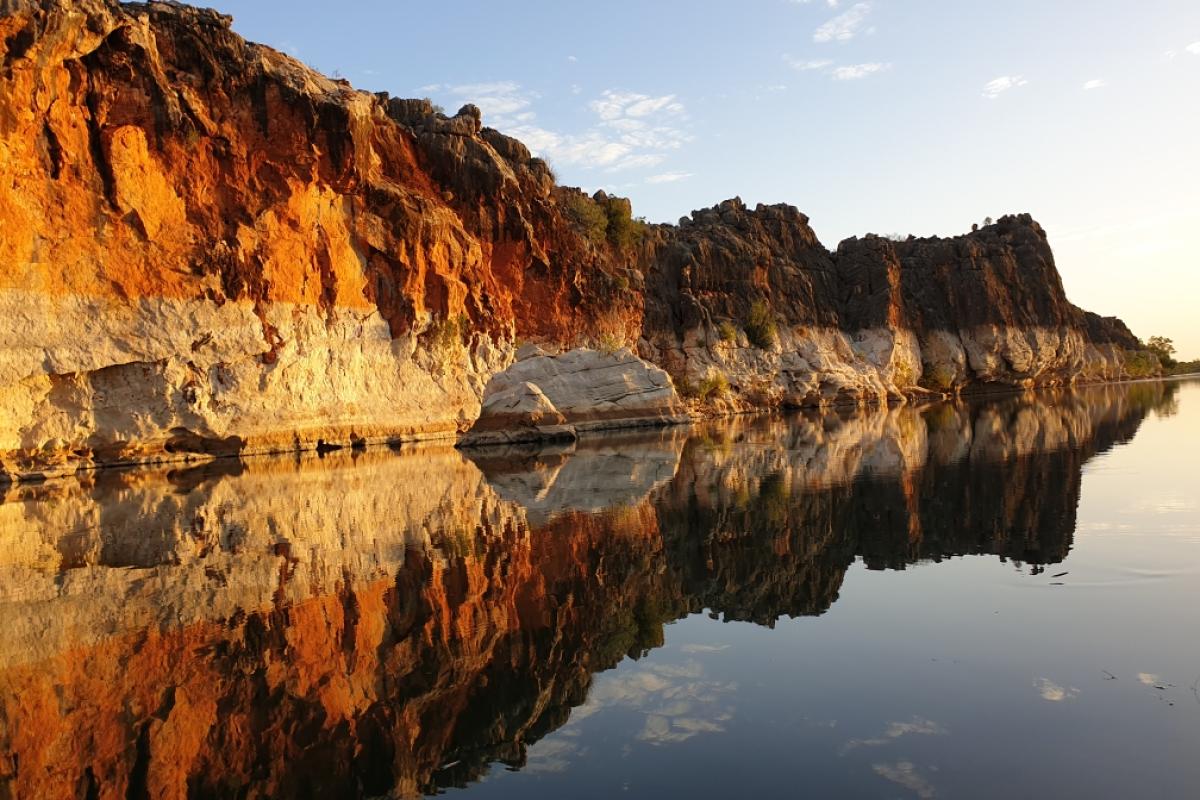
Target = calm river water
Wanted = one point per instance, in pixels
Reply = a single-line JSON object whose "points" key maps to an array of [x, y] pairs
{"points": [[994, 598]]}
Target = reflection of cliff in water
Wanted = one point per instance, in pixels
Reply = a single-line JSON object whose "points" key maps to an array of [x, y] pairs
{"points": [[365, 623]]}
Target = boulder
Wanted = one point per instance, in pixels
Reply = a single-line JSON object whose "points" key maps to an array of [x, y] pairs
{"points": [[547, 397], [517, 413], [595, 390]]}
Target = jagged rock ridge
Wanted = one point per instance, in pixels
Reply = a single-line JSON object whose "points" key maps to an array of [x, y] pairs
{"points": [[209, 248]]}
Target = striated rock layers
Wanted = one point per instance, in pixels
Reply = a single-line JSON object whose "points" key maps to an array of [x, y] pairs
{"points": [[208, 248]]}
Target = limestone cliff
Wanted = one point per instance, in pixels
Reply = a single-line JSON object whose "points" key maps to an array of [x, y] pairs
{"points": [[208, 248]]}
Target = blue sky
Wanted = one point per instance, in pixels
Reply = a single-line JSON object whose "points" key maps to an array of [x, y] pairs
{"points": [[886, 116]]}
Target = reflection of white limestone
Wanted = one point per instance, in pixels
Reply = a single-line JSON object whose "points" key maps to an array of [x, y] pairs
{"points": [[595, 474], [162, 548], [147, 555]]}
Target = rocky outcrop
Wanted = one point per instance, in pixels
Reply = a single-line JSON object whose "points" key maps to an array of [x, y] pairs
{"points": [[544, 396], [876, 319], [208, 249]]}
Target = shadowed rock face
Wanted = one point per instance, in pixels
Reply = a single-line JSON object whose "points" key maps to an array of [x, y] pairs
{"points": [[364, 623], [210, 249]]}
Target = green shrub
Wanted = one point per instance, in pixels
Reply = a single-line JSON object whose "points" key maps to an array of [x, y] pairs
{"points": [[446, 335], [1142, 364], [588, 217], [609, 343], [760, 326], [727, 332], [716, 384], [1184, 368], [623, 230]]}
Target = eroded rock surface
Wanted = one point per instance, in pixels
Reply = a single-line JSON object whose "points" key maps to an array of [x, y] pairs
{"points": [[208, 249], [544, 396]]}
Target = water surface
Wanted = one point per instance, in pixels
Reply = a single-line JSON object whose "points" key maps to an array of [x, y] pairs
{"points": [[994, 598]]}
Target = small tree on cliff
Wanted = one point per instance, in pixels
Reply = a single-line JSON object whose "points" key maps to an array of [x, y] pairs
{"points": [[1164, 348], [760, 325], [589, 217]]}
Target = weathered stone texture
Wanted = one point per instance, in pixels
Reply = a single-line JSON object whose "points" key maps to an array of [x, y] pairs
{"points": [[208, 248]]}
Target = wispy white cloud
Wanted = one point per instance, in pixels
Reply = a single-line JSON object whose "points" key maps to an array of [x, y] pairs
{"points": [[1193, 48], [844, 26], [999, 86], [1095, 83], [631, 130], [804, 65], [496, 99], [503, 103], [845, 72], [830, 3], [853, 72], [589, 149], [673, 177], [615, 105]]}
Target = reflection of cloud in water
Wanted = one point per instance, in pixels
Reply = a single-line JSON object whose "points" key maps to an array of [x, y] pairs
{"points": [[918, 726], [1149, 678], [554, 754], [1049, 690], [677, 702], [1164, 503], [704, 648], [905, 774]]}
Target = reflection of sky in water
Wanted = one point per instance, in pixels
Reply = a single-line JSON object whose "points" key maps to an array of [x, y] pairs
{"points": [[675, 700], [965, 678], [988, 599]]}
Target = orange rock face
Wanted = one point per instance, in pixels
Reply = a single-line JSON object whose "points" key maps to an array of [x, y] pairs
{"points": [[150, 152], [247, 255], [208, 249]]}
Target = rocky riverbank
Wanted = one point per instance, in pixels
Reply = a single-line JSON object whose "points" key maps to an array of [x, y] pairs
{"points": [[210, 249]]}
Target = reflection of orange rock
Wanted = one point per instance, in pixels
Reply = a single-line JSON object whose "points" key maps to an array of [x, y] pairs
{"points": [[354, 622]]}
